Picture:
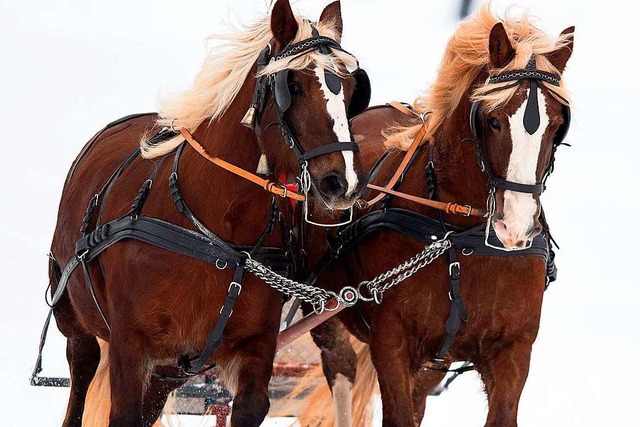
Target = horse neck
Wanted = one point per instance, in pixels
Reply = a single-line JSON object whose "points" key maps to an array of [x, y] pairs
{"points": [[459, 177], [234, 208]]}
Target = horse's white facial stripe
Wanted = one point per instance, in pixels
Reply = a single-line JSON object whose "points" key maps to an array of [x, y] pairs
{"points": [[338, 113], [519, 208]]}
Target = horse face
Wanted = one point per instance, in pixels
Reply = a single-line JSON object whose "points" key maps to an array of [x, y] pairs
{"points": [[518, 152], [319, 115], [520, 137], [314, 103]]}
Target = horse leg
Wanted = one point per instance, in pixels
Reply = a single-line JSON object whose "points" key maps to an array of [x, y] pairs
{"points": [[246, 374], [83, 355], [424, 381], [339, 366], [504, 376], [157, 393], [128, 374], [390, 357]]}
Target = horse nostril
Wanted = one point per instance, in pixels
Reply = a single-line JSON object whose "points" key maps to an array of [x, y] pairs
{"points": [[333, 185]]}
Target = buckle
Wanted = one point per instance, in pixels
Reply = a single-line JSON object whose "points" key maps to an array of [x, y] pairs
{"points": [[453, 265], [235, 284]]}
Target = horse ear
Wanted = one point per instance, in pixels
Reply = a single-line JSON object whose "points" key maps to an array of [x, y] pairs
{"points": [[333, 17], [284, 26], [559, 58], [500, 49]]}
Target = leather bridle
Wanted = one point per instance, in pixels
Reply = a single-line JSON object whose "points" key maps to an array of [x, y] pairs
{"points": [[515, 77]]}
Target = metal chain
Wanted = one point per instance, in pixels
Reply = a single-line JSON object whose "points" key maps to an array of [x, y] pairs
{"points": [[305, 45], [306, 293], [348, 295], [405, 270], [552, 78]]}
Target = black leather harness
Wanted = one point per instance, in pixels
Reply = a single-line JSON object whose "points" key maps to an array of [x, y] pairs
{"points": [[425, 229], [202, 245]]}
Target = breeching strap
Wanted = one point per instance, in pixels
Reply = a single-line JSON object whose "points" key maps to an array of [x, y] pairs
{"points": [[271, 186]]}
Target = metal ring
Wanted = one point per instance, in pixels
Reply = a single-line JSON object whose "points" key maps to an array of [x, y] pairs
{"points": [[319, 310], [346, 299], [377, 296], [221, 266], [337, 306], [467, 251], [361, 296]]}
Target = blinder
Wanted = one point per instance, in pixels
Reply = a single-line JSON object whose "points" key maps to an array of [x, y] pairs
{"points": [[359, 100], [476, 123], [362, 94], [281, 90]]}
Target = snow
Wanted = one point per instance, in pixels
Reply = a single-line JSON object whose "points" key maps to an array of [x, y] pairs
{"points": [[70, 67]]}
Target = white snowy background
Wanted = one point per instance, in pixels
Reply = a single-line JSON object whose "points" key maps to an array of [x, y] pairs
{"points": [[67, 68]]}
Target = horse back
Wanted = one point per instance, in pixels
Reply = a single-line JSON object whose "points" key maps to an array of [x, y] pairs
{"points": [[93, 166]]}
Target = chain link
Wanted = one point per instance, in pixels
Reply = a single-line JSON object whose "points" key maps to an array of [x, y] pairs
{"points": [[378, 285], [348, 295], [310, 294], [305, 45], [552, 78]]}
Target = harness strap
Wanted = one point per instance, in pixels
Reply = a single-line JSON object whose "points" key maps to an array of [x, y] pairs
{"points": [[447, 207], [214, 339], [92, 291], [149, 230], [457, 312], [516, 186], [328, 148], [46, 381], [271, 186], [403, 164]]}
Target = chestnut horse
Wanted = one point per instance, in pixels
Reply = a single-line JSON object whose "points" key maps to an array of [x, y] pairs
{"points": [[153, 305], [485, 135]]}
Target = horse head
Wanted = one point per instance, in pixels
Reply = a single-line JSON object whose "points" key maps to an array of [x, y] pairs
{"points": [[307, 89], [519, 118]]}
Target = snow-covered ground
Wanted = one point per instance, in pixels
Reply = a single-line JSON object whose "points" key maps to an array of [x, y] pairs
{"points": [[70, 67]]}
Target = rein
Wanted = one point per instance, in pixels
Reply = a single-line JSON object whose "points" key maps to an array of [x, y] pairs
{"points": [[271, 186]]}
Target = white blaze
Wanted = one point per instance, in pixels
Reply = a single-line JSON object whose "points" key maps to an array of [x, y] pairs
{"points": [[519, 208], [338, 113]]}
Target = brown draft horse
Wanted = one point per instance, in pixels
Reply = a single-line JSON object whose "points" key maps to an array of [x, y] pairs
{"points": [[160, 305], [502, 294]]}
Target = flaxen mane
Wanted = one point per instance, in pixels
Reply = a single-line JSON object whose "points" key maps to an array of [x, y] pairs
{"points": [[224, 72], [466, 56]]}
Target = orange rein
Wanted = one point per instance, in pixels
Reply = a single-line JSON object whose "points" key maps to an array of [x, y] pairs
{"points": [[452, 208], [273, 187]]}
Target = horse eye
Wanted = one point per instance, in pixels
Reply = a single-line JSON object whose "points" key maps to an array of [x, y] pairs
{"points": [[295, 89], [494, 123]]}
